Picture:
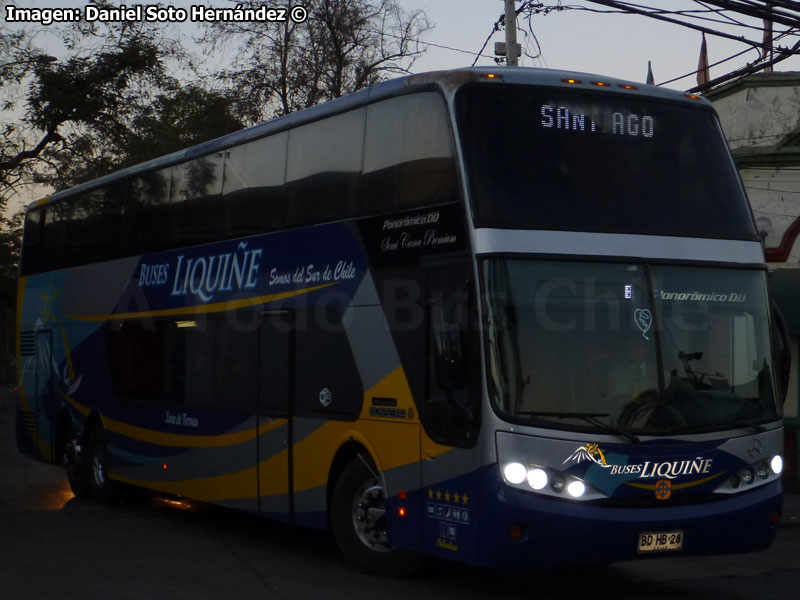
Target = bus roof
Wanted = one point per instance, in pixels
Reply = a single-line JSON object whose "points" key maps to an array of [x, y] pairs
{"points": [[448, 80]]}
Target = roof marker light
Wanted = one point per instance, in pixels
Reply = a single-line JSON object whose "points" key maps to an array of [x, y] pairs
{"points": [[601, 83], [627, 86], [491, 76], [692, 96], [571, 80]]}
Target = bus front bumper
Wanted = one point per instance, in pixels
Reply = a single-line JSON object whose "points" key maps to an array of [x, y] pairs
{"points": [[523, 529]]}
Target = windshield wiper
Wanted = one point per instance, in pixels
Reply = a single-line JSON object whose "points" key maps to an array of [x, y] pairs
{"points": [[746, 423], [592, 418]]}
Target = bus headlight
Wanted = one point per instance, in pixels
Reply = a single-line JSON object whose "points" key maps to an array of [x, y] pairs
{"points": [[776, 464], [576, 489], [515, 472], [537, 479], [546, 481]]}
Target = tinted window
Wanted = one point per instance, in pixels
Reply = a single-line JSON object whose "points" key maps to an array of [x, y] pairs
{"points": [[451, 410], [324, 168], [134, 351], [408, 155], [32, 259], [567, 160], [196, 214], [253, 186], [147, 214], [650, 350], [209, 361]]}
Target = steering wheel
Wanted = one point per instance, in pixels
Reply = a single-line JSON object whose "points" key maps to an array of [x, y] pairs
{"points": [[649, 412]]}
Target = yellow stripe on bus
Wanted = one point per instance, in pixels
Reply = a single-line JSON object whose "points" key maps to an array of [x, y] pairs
{"points": [[201, 308], [231, 486], [177, 440]]}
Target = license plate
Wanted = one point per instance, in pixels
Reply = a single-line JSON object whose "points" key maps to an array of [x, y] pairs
{"points": [[662, 541]]}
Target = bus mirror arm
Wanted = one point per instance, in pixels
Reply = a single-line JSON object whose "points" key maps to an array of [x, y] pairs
{"points": [[782, 350]]}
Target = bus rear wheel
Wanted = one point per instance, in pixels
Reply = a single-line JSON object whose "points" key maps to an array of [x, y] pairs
{"points": [[359, 525], [78, 478], [103, 489], [74, 462]]}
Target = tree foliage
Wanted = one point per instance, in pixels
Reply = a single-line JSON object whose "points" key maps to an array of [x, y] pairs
{"points": [[343, 46]]}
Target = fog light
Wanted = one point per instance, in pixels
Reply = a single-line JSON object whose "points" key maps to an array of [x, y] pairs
{"points": [[537, 478], [576, 489], [515, 532], [736, 481], [557, 483], [748, 476], [515, 472], [777, 464], [763, 470]]}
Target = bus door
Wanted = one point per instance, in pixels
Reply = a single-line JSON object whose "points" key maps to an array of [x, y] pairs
{"points": [[450, 414], [275, 409]]}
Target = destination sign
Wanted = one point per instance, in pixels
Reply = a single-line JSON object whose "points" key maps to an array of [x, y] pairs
{"points": [[600, 120]]}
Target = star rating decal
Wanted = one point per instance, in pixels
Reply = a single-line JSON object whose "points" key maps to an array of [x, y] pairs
{"points": [[455, 497]]}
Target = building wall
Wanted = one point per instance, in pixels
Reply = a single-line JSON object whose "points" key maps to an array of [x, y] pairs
{"points": [[760, 116]]}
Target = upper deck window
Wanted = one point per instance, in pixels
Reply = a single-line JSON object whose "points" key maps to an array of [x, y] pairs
{"points": [[550, 158], [408, 154]]}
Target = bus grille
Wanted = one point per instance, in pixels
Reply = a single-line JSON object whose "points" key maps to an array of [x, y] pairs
{"points": [[27, 343], [28, 420]]}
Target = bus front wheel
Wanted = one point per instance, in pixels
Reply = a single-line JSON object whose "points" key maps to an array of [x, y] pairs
{"points": [[358, 522]]}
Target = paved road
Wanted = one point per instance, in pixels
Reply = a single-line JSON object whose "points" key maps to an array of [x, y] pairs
{"points": [[53, 545]]}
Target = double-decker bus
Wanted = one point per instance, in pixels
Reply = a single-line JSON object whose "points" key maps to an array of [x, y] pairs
{"points": [[507, 318]]}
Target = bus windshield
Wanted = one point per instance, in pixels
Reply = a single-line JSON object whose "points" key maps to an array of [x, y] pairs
{"points": [[566, 159], [649, 350]]}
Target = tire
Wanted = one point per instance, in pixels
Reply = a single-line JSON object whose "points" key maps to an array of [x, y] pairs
{"points": [[76, 466], [358, 522], [78, 478], [103, 489]]}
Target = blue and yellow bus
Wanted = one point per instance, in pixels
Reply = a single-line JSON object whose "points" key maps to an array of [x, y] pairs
{"points": [[507, 318]]}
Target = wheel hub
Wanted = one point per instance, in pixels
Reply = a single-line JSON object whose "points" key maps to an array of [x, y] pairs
{"points": [[369, 516]]}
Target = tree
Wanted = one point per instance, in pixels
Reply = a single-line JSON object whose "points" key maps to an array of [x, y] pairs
{"points": [[343, 46], [177, 117], [10, 239], [109, 104]]}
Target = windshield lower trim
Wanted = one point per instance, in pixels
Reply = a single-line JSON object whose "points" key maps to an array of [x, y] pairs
{"points": [[578, 243]]}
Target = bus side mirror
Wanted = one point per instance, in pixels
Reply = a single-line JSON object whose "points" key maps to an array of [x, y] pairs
{"points": [[782, 349]]}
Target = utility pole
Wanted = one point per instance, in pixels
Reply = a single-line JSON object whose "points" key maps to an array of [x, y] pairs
{"points": [[510, 48]]}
